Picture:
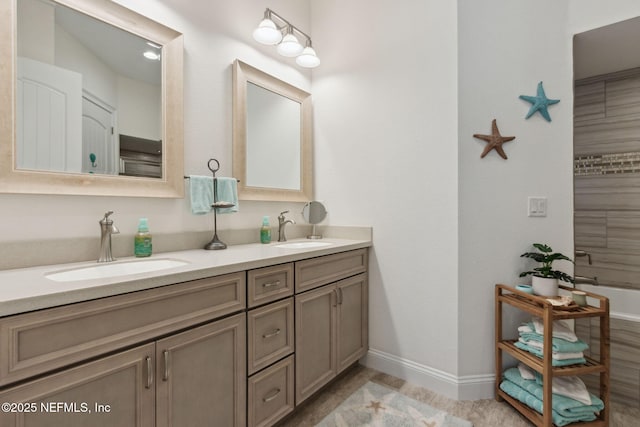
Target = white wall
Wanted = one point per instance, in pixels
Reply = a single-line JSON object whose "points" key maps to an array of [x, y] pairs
{"points": [[386, 155], [139, 108], [504, 51], [215, 33]]}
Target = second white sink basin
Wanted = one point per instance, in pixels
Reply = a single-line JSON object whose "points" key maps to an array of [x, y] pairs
{"points": [[101, 271], [303, 245]]}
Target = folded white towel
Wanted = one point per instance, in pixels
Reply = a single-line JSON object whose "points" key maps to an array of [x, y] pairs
{"points": [[572, 387], [526, 372], [560, 330], [554, 354], [525, 328]]}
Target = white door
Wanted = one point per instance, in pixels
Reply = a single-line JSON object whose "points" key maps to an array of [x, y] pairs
{"points": [[98, 124], [48, 134]]}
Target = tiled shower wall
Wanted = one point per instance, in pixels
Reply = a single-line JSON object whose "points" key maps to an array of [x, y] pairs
{"points": [[607, 177], [607, 212]]}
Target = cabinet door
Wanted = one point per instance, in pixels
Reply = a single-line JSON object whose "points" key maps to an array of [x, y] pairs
{"points": [[353, 319], [202, 376], [118, 390], [315, 340]]}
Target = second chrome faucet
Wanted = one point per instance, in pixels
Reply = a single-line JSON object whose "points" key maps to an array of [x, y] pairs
{"points": [[106, 230], [282, 222]]}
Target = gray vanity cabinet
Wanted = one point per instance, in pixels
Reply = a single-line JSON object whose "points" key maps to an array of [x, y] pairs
{"points": [[118, 390], [200, 376], [191, 368], [238, 349], [331, 318]]}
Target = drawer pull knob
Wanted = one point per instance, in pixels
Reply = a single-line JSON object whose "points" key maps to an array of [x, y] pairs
{"points": [[271, 284], [149, 372], [272, 334], [272, 396]]}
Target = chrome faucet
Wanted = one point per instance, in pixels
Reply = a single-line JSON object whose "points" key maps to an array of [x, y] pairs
{"points": [[106, 230], [282, 221]]}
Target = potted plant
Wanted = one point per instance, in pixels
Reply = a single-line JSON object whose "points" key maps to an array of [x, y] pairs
{"points": [[545, 278]]}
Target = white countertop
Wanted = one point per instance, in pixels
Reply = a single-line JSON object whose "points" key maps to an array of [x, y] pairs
{"points": [[28, 289]]}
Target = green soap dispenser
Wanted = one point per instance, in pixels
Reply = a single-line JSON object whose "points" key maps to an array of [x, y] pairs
{"points": [[265, 230], [142, 241]]}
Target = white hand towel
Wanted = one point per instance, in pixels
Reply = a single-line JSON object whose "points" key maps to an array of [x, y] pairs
{"points": [[560, 330], [524, 328], [571, 387], [554, 354], [526, 372]]}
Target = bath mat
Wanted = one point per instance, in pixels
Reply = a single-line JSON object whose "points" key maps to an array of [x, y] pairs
{"points": [[376, 405]]}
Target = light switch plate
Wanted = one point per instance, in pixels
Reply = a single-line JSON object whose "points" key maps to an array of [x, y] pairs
{"points": [[537, 206]]}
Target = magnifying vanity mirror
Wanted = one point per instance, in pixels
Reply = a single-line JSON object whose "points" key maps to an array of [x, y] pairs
{"points": [[90, 100], [314, 213], [272, 145]]}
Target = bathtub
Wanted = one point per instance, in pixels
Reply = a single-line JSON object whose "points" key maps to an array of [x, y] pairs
{"points": [[624, 304], [624, 312]]}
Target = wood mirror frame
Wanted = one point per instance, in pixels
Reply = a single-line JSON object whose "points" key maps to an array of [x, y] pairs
{"points": [[242, 75], [171, 185]]}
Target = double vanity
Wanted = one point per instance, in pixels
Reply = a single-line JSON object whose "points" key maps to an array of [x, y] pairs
{"points": [[231, 338]]}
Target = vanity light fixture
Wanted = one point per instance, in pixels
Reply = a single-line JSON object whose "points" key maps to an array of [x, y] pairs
{"points": [[275, 30]]}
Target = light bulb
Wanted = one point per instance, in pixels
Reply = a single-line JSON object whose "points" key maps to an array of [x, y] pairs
{"points": [[308, 58], [289, 46], [267, 32]]}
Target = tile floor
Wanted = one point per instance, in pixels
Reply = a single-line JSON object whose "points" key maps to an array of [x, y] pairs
{"points": [[482, 413]]}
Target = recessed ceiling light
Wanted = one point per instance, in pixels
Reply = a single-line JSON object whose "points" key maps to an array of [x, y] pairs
{"points": [[152, 55]]}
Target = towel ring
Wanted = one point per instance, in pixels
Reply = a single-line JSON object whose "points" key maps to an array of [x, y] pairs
{"points": [[212, 169]]}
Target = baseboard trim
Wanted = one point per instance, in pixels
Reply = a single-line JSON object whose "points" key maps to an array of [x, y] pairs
{"points": [[467, 387]]}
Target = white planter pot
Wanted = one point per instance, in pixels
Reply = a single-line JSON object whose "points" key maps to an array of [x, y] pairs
{"points": [[545, 286]]}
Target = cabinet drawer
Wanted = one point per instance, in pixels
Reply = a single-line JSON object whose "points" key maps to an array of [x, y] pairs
{"points": [[270, 394], [316, 272], [33, 343], [269, 284], [271, 334]]}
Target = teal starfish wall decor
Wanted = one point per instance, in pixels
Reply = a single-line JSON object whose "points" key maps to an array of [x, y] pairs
{"points": [[540, 102]]}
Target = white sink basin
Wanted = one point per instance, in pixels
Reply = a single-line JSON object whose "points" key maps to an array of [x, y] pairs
{"points": [[303, 245], [101, 271]]}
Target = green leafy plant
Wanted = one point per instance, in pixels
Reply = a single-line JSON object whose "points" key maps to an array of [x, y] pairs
{"points": [[546, 257]]}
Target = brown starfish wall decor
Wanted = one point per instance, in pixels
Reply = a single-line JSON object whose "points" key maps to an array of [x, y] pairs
{"points": [[495, 141]]}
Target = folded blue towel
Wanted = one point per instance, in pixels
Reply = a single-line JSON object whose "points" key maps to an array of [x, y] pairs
{"points": [[559, 345], [201, 193], [565, 406], [534, 403], [554, 362]]}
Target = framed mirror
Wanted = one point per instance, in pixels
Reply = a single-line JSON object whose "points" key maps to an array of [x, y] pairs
{"points": [[272, 137], [90, 100]]}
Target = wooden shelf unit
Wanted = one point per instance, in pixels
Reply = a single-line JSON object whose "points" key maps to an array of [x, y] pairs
{"points": [[539, 306]]}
